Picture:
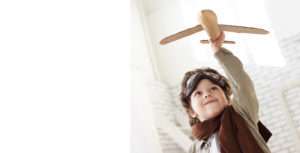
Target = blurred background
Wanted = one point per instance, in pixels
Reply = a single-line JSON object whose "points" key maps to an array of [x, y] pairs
{"points": [[159, 123]]}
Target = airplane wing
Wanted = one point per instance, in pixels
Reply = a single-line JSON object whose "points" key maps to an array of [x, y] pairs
{"points": [[242, 29], [181, 34], [224, 27]]}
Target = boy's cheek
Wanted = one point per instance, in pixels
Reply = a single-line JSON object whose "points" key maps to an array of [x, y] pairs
{"points": [[195, 102]]}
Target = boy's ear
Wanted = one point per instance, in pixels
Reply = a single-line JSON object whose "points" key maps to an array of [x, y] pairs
{"points": [[192, 113]]}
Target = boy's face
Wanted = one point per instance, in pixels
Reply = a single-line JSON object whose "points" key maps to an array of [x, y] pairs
{"points": [[207, 100]]}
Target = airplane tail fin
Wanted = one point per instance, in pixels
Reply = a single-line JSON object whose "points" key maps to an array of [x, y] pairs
{"points": [[225, 42]]}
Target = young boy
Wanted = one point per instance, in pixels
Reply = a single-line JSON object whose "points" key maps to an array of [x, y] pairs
{"points": [[223, 113]]}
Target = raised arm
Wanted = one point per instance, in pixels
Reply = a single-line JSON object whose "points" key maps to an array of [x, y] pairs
{"points": [[244, 97]]}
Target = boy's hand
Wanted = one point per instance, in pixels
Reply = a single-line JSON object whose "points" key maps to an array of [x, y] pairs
{"points": [[217, 43]]}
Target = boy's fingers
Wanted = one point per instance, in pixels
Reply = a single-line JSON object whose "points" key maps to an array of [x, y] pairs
{"points": [[219, 38]]}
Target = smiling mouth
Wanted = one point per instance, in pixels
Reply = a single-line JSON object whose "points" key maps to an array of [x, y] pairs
{"points": [[210, 101]]}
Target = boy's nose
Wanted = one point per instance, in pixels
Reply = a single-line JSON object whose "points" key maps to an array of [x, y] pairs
{"points": [[207, 94]]}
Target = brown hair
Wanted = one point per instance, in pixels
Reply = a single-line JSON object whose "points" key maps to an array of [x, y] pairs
{"points": [[190, 82]]}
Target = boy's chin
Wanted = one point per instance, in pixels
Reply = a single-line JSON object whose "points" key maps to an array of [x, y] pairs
{"points": [[214, 112]]}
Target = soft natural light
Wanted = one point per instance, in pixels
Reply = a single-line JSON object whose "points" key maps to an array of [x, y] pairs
{"points": [[249, 47], [262, 47]]}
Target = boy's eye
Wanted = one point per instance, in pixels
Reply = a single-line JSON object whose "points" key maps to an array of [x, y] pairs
{"points": [[214, 88], [198, 93]]}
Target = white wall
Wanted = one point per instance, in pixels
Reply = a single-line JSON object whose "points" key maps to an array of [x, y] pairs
{"points": [[144, 135], [284, 17], [175, 58]]}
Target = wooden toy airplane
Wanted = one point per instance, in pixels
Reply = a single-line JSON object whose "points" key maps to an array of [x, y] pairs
{"points": [[208, 22]]}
